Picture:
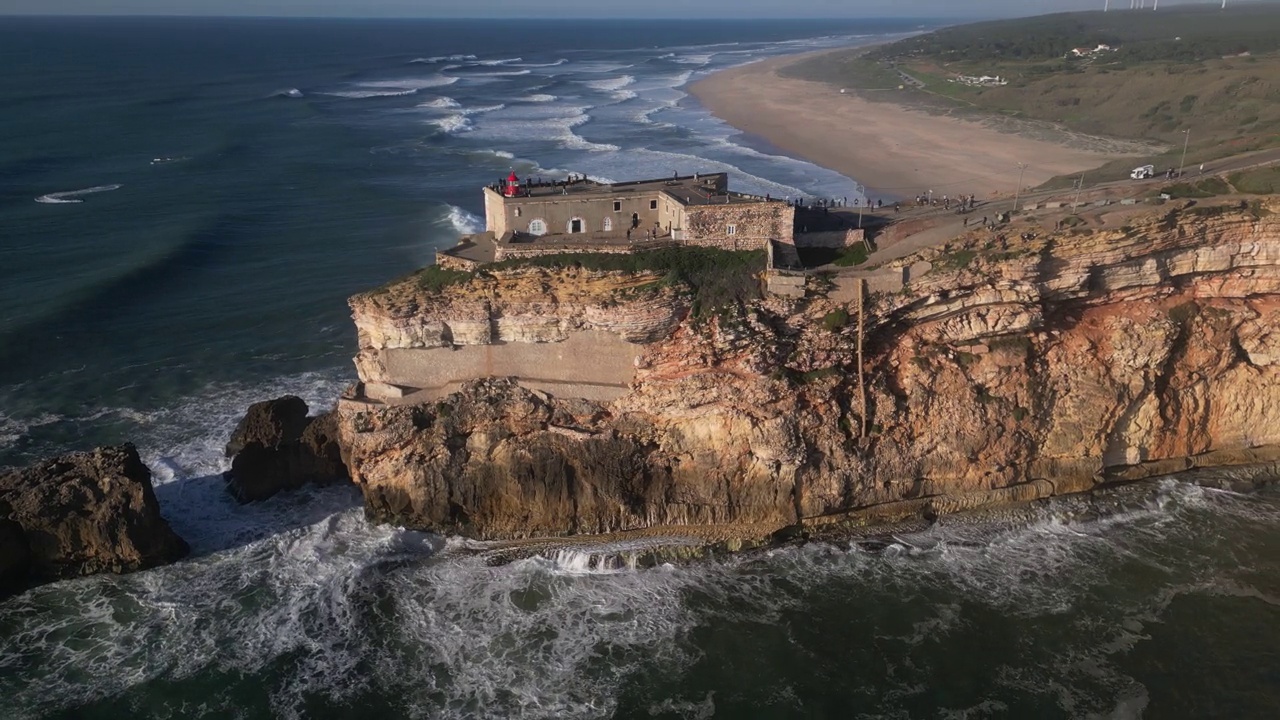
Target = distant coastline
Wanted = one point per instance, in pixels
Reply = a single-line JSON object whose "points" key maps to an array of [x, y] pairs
{"points": [[893, 150]]}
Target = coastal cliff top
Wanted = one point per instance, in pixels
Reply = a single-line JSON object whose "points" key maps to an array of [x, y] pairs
{"points": [[711, 278]]}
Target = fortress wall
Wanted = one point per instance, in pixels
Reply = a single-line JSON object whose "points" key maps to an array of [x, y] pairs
{"points": [[507, 252], [558, 210], [829, 239], [495, 219], [590, 364], [756, 224], [453, 262]]}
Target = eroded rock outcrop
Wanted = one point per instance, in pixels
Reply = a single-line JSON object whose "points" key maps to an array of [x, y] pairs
{"points": [[1012, 371], [276, 447], [80, 514]]}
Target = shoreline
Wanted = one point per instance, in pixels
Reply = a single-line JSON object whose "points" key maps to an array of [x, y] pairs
{"points": [[894, 151]]}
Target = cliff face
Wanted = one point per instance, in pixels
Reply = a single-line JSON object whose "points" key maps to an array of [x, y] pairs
{"points": [[1011, 371]]}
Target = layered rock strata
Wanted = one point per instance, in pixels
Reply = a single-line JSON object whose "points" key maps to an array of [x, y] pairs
{"points": [[1013, 370], [80, 514]]}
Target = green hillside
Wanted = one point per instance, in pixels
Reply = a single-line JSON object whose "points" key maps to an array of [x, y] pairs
{"points": [[1213, 72]]}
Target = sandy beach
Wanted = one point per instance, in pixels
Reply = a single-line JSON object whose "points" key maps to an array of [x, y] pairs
{"points": [[894, 150]]}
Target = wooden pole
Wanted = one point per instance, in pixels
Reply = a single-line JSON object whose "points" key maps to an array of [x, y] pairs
{"points": [[862, 386]]}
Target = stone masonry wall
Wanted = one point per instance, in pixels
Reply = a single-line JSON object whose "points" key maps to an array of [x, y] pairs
{"points": [[829, 239], [755, 225]]}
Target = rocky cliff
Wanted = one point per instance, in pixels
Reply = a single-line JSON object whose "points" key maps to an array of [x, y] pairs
{"points": [[1013, 370]]}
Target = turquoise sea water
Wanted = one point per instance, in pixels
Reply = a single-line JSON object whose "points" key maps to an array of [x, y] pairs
{"points": [[184, 207]]}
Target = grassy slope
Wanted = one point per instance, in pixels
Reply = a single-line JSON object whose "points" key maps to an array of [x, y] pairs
{"points": [[1168, 74]]}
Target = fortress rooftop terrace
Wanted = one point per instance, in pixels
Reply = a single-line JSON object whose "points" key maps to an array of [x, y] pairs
{"points": [[688, 190]]}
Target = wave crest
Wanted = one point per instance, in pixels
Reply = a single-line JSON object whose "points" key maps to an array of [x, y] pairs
{"points": [[453, 124], [442, 103], [73, 196], [464, 222]]}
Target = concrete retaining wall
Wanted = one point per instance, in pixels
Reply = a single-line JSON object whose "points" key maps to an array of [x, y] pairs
{"points": [[592, 364]]}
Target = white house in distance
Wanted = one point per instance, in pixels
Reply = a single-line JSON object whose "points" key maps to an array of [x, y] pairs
{"points": [[1087, 52]]}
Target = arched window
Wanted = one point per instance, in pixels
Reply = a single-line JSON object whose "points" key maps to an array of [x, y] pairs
{"points": [[608, 224], [537, 227]]}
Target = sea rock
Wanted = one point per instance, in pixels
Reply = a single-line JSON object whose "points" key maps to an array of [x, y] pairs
{"points": [[84, 513], [15, 557], [279, 448], [270, 423]]}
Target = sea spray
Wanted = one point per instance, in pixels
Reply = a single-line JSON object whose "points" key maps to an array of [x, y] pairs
{"points": [[465, 223]]}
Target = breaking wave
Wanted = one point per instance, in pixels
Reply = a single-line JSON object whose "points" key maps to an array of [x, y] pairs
{"points": [[453, 124], [443, 58], [497, 74], [570, 139], [73, 196], [289, 93], [393, 88], [464, 222], [539, 98], [441, 102], [557, 63], [363, 94], [611, 84]]}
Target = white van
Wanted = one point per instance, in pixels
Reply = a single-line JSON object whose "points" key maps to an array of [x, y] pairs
{"points": [[1145, 171]]}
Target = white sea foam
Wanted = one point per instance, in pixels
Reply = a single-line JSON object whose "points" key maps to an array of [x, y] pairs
{"points": [[441, 102], [392, 88], [498, 153], [443, 58], [496, 74], [453, 124], [569, 139], [73, 196], [289, 93], [484, 109], [696, 59], [538, 98], [464, 222], [492, 63], [557, 63], [418, 83], [611, 84], [546, 122], [364, 94], [13, 429]]}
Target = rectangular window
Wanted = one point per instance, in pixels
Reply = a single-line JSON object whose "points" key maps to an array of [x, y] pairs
{"points": [[731, 230], [653, 204], [518, 212], [617, 205]]}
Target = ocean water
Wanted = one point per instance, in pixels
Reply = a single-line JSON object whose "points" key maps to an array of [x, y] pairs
{"points": [[184, 207]]}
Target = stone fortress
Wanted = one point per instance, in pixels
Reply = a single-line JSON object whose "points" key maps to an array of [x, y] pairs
{"points": [[574, 343], [524, 219]]}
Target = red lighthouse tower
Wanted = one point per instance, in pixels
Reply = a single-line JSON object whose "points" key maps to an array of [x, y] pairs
{"points": [[513, 185]]}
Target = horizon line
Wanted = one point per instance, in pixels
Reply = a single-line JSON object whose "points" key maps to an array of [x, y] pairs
{"points": [[651, 18]]}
